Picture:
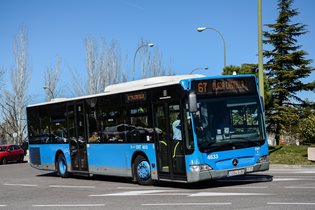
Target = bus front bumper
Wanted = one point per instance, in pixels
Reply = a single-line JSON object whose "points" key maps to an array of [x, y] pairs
{"points": [[196, 176]]}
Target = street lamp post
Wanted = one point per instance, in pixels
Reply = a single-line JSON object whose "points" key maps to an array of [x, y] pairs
{"points": [[47, 88], [201, 29], [134, 57], [195, 69]]}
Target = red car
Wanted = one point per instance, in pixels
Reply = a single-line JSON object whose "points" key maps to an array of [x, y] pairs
{"points": [[11, 152]]}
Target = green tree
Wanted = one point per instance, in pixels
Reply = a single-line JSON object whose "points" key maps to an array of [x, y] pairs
{"points": [[243, 69], [286, 67], [249, 69], [307, 129]]}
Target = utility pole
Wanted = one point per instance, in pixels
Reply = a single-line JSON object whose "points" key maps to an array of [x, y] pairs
{"points": [[260, 53]]}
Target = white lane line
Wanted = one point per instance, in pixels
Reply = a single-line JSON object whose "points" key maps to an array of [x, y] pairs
{"points": [[290, 179], [279, 203], [22, 185], [142, 192], [136, 188], [3, 205], [299, 187], [176, 193], [213, 194], [69, 186], [167, 194], [242, 187], [71, 205], [184, 204], [301, 177]]}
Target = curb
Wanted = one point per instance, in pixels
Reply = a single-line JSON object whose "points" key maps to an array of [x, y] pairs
{"points": [[284, 166]]}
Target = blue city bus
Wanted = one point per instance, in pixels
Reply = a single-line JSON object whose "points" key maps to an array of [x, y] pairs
{"points": [[186, 128]]}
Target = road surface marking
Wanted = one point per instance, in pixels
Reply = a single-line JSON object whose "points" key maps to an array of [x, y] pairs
{"points": [[143, 192], [290, 203], [299, 187], [165, 194], [242, 187], [225, 194], [176, 193], [3, 205], [184, 204], [22, 185], [290, 179], [70, 205], [136, 188], [69, 186]]}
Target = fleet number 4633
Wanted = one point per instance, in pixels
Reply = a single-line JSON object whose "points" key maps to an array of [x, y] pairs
{"points": [[213, 157]]}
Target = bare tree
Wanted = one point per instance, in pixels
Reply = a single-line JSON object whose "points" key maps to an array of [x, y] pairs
{"points": [[2, 134], [103, 66], [51, 78], [1, 77], [14, 104], [113, 67], [151, 62]]}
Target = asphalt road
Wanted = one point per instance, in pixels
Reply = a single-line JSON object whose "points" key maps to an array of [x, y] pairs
{"points": [[22, 187]]}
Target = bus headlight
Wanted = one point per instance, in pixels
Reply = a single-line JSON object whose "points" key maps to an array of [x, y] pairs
{"points": [[200, 168], [263, 159]]}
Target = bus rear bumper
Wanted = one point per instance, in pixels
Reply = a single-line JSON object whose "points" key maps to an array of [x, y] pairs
{"points": [[218, 174]]}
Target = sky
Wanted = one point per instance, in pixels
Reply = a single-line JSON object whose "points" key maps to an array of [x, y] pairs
{"points": [[59, 27]]}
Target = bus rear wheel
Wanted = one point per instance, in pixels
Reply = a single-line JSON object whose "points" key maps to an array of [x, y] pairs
{"points": [[61, 166], [142, 171]]}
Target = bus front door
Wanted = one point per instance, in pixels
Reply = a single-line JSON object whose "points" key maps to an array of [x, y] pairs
{"points": [[77, 135], [170, 148]]}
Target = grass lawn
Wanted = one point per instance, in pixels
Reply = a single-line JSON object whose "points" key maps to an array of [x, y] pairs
{"points": [[289, 154]]}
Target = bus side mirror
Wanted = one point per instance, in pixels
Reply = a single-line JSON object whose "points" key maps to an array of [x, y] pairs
{"points": [[192, 101]]}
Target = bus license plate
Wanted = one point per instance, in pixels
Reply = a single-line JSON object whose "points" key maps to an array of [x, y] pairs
{"points": [[236, 172]]}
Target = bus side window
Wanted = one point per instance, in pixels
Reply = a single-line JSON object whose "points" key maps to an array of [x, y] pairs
{"points": [[34, 119], [113, 126], [92, 122], [141, 130], [58, 132]]}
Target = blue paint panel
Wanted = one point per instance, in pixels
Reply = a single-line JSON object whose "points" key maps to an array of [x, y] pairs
{"points": [[117, 155], [48, 152]]}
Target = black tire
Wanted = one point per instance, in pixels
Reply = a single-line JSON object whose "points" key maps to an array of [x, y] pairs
{"points": [[4, 161], [61, 166], [142, 171], [21, 159]]}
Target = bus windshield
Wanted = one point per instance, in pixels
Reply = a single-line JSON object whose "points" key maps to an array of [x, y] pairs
{"points": [[229, 123]]}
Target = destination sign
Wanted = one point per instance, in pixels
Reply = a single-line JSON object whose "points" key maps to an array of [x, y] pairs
{"points": [[227, 86], [135, 97]]}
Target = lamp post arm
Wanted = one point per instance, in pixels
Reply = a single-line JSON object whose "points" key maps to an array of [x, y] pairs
{"points": [[50, 91], [134, 57], [204, 68], [134, 61], [224, 44], [201, 29]]}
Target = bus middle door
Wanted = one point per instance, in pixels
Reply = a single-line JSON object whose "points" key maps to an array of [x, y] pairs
{"points": [[170, 149], [77, 135]]}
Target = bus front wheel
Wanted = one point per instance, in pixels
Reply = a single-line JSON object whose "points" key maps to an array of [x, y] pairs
{"points": [[142, 171], [61, 166]]}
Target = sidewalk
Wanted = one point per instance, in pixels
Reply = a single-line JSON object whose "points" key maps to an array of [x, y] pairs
{"points": [[27, 158]]}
